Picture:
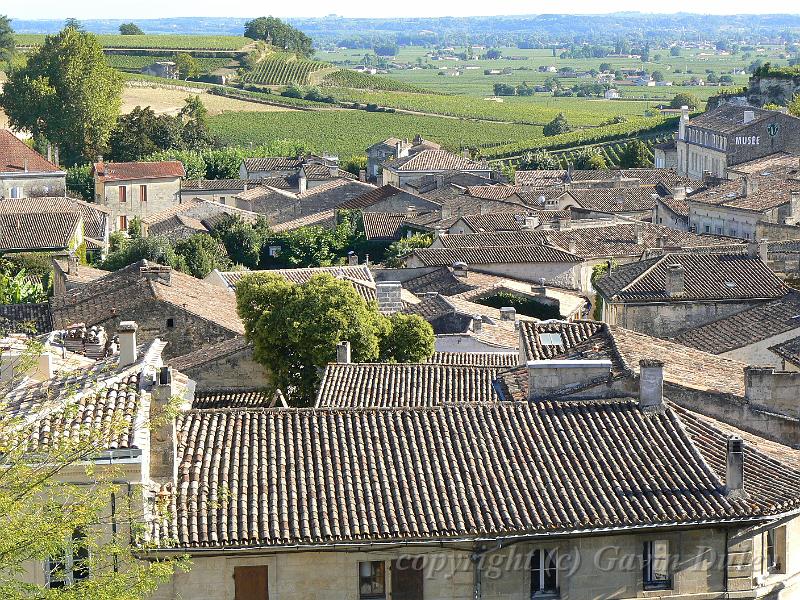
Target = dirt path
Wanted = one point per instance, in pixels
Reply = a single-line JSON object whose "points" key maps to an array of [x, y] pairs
{"points": [[166, 101]]}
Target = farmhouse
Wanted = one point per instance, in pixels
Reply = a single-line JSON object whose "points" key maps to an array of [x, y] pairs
{"points": [[136, 189]]}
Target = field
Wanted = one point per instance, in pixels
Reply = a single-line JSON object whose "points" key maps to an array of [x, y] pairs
{"points": [[281, 68], [348, 132], [157, 41], [168, 101], [133, 63]]}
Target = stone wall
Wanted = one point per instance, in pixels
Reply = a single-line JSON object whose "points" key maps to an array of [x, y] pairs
{"points": [[773, 390], [772, 90], [34, 185], [236, 370], [161, 194]]}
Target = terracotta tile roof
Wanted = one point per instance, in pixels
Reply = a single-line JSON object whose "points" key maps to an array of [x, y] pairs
{"points": [[728, 118], [325, 218], [707, 277], [308, 477], [430, 185], [95, 217], [384, 226], [746, 327], [773, 190], [232, 398], [440, 280], [315, 172], [493, 255], [109, 171], [355, 272], [613, 200], [277, 163], [476, 359], [492, 192], [38, 231], [533, 198], [403, 384], [433, 160], [677, 205], [788, 351], [618, 240], [569, 334], [26, 318], [779, 161], [332, 194], [15, 154], [130, 288], [379, 194], [504, 221]]}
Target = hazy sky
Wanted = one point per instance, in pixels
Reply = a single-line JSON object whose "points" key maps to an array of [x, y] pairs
{"points": [[91, 9]]}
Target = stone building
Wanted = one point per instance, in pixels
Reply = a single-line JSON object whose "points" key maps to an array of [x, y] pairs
{"points": [[721, 138], [185, 312], [24, 173], [666, 294], [391, 148], [401, 171], [136, 189], [190, 217]]}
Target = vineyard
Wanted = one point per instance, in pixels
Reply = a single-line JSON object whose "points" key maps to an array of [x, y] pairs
{"points": [[349, 132], [282, 68], [157, 41], [346, 78], [129, 62], [612, 151]]}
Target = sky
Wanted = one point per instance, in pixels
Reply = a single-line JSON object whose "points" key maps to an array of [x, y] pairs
{"points": [[142, 9]]}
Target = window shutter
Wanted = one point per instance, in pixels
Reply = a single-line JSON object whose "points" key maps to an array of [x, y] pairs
{"points": [[407, 579], [251, 583]]}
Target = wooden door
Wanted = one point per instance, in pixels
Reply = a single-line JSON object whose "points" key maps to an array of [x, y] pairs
{"points": [[251, 583], [407, 579]]}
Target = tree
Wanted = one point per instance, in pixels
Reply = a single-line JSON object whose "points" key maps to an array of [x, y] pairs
{"points": [[794, 106], [141, 132], [605, 67], [685, 99], [386, 50], [135, 228], [194, 117], [187, 65], [504, 89], [73, 23], [6, 40], [397, 250], [242, 241], [674, 51], [589, 159], [539, 160], [409, 339], [295, 328], [154, 248], [202, 254], [557, 126], [279, 34], [80, 182], [634, 155], [657, 76], [66, 93], [130, 29], [17, 288], [492, 54]]}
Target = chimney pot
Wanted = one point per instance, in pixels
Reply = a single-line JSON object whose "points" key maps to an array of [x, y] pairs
{"points": [[343, 352], [763, 250], [734, 471], [477, 324], [128, 353], [651, 385], [460, 269]]}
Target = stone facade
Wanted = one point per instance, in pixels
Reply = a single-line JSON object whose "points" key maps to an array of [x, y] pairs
{"points": [[140, 198], [33, 185]]}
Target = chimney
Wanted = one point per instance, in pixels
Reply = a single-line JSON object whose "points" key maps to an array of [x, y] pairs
{"points": [[460, 269], [55, 156], [398, 149], [734, 468], [763, 250], [639, 234], [302, 182], [389, 295], [651, 385], [530, 222], [44, 366], [618, 179], [126, 332], [352, 259], [343, 353], [548, 376], [749, 115], [362, 175], [573, 246], [163, 446], [508, 313], [563, 223], [49, 152], [570, 171], [72, 264], [682, 124], [154, 272], [674, 280], [541, 289], [661, 241], [749, 185], [477, 324], [679, 192], [794, 206], [25, 164]]}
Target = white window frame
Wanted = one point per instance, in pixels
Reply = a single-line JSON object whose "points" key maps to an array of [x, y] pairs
{"points": [[69, 560], [543, 560], [656, 556]]}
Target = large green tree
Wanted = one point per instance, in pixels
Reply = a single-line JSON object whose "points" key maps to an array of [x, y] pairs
{"points": [[141, 133], [685, 99], [295, 329], [130, 29], [6, 40], [557, 126], [634, 155], [66, 93], [280, 34]]}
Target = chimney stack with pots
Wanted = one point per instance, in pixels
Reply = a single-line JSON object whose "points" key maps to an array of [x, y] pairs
{"points": [[477, 324], [734, 468], [126, 333], [674, 279], [163, 446], [651, 385], [508, 313], [389, 295], [343, 352]]}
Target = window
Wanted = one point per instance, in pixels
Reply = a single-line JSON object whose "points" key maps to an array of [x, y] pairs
{"points": [[656, 565], [251, 583], [222, 199], [16, 192], [72, 565], [550, 339], [544, 572], [170, 322], [774, 550], [407, 578], [123, 193], [123, 222], [707, 228], [372, 579], [143, 193]]}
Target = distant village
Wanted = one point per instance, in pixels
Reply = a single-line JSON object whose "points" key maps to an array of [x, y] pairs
{"points": [[614, 372]]}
